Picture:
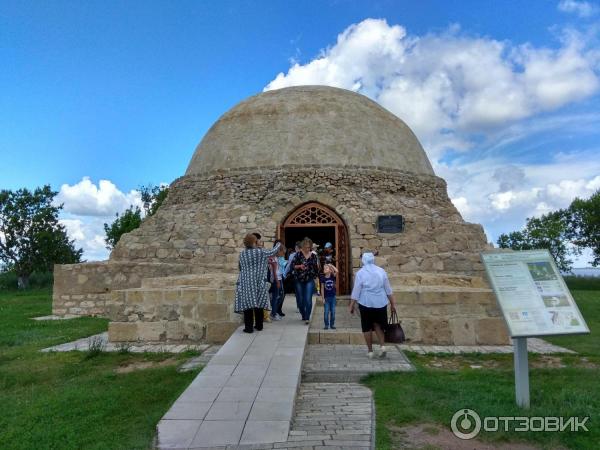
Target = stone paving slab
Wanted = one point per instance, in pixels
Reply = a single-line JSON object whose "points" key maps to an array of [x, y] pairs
{"points": [[344, 363], [101, 341], [327, 416], [534, 345], [55, 317], [245, 394]]}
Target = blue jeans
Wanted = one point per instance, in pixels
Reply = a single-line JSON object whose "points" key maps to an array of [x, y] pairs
{"points": [[329, 306], [305, 290], [276, 297]]}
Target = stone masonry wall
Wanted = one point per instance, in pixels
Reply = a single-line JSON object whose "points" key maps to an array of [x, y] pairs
{"points": [[205, 217], [84, 289]]}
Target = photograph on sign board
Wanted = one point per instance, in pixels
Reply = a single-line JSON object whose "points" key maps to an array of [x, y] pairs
{"points": [[553, 301], [541, 271]]}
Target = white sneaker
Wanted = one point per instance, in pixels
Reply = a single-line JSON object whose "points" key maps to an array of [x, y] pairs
{"points": [[370, 355], [276, 317], [382, 352]]}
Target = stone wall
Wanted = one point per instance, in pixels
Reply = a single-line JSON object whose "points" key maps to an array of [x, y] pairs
{"points": [[174, 315], [205, 217], [83, 289]]}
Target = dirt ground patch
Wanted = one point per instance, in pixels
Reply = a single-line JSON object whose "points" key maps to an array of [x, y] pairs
{"points": [[430, 437], [141, 365]]}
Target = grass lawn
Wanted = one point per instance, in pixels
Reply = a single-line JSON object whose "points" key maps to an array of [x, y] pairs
{"points": [[442, 384], [75, 400]]}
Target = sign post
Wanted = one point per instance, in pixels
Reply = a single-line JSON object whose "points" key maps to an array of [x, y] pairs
{"points": [[534, 300], [521, 372]]}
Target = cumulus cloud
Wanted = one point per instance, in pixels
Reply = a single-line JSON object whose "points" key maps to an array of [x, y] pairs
{"points": [[87, 199], [448, 86], [484, 109], [580, 8], [87, 206]]}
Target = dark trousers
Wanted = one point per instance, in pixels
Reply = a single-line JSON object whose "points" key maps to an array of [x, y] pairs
{"points": [[253, 316]]}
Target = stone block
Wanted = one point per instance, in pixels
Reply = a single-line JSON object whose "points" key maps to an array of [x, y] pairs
{"points": [[492, 331], [313, 337], [219, 332], [208, 296], [412, 329], [334, 337], [356, 338], [211, 312], [406, 297], [122, 332], [226, 296], [365, 228], [175, 331], [151, 331], [436, 332], [463, 331]]}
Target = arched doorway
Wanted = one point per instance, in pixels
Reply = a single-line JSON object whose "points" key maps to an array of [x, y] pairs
{"points": [[322, 225]]}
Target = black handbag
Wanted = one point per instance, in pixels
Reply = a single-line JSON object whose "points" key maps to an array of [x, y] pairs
{"points": [[394, 332]]}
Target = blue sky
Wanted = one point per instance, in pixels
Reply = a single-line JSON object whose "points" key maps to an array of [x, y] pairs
{"points": [[503, 95]]}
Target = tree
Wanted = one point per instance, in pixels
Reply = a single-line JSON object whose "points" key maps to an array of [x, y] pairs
{"points": [[128, 221], [584, 224], [153, 197], [549, 231], [31, 238]]}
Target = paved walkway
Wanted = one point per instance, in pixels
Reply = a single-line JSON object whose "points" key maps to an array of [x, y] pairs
{"points": [[100, 341], [534, 345], [245, 394], [349, 363]]}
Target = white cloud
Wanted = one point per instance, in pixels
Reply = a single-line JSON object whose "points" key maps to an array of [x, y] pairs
{"points": [[87, 199], [447, 86], [87, 207], [581, 8]]}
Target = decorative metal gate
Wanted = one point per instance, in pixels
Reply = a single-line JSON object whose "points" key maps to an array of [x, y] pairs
{"points": [[315, 214]]}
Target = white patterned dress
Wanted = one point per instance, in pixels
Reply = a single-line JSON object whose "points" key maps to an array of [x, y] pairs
{"points": [[252, 289]]}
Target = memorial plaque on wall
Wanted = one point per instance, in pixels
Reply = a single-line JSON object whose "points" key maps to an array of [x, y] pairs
{"points": [[390, 224], [533, 296]]}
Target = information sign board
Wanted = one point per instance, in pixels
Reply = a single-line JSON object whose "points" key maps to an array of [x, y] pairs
{"points": [[533, 296]]}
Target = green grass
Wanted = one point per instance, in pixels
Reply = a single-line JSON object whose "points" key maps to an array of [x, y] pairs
{"points": [[589, 305], [71, 400], [433, 395]]}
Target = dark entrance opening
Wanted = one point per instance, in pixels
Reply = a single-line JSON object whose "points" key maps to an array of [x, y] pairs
{"points": [[321, 225], [319, 235]]}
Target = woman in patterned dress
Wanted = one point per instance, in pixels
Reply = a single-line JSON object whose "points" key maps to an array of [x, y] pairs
{"points": [[252, 290]]}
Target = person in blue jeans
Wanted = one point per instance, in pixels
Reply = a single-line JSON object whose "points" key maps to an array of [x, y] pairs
{"points": [[306, 268], [328, 292]]}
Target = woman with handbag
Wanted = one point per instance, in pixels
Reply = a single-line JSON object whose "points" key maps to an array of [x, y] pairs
{"points": [[372, 292]]}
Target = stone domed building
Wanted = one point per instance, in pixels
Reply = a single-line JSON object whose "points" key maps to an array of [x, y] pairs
{"points": [[302, 161]]}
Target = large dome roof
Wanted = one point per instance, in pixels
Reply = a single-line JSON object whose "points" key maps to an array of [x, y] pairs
{"points": [[309, 125]]}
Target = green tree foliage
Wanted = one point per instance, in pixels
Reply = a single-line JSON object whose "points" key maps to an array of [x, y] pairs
{"points": [[584, 224], [564, 232], [124, 223], [31, 238], [152, 198], [548, 231]]}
